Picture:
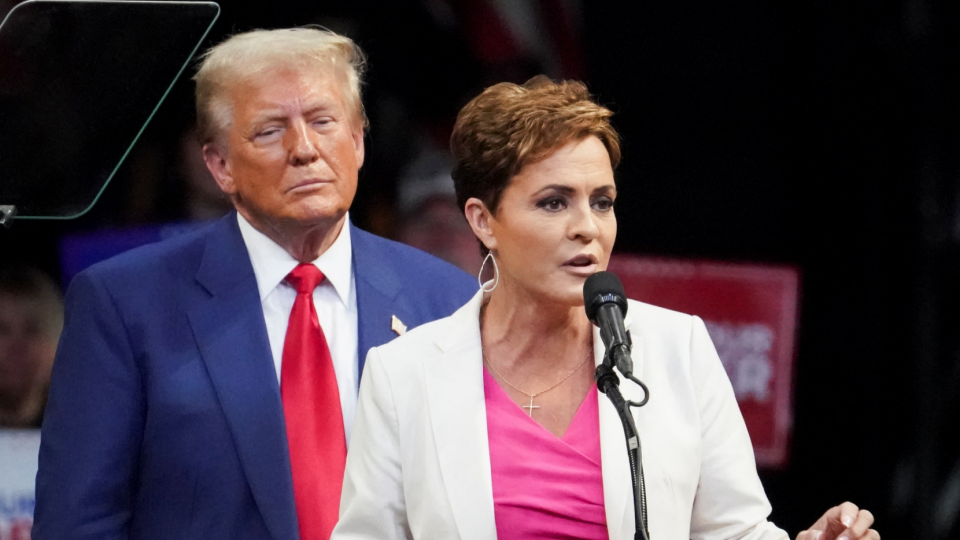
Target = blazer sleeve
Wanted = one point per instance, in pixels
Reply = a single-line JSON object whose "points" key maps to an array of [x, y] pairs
{"points": [[730, 502], [93, 425], [373, 505]]}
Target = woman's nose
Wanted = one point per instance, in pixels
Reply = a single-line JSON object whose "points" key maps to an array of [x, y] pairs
{"points": [[584, 223]]}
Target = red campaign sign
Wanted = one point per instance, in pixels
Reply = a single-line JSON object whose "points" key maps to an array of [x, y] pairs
{"points": [[751, 314]]}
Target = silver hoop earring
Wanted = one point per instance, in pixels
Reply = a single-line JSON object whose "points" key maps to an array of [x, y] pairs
{"points": [[496, 273]]}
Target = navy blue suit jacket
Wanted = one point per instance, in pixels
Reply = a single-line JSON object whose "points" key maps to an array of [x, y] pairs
{"points": [[164, 418]]}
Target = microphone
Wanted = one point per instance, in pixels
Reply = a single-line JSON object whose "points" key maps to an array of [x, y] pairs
{"points": [[606, 304]]}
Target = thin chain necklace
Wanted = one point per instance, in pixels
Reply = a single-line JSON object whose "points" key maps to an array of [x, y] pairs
{"points": [[531, 406]]}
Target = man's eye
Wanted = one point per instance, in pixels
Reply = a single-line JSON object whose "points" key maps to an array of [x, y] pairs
{"points": [[267, 133]]}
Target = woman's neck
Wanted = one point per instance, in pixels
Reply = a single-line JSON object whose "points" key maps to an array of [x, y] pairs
{"points": [[525, 329]]}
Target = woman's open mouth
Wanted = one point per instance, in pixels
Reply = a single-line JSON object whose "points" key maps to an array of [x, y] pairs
{"points": [[582, 264]]}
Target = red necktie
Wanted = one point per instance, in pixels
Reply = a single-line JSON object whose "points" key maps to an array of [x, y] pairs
{"points": [[311, 406]]}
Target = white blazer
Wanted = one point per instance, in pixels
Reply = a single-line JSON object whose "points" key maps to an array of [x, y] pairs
{"points": [[419, 459]]}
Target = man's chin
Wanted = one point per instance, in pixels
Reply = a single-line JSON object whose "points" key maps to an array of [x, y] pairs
{"points": [[303, 214], [318, 217]]}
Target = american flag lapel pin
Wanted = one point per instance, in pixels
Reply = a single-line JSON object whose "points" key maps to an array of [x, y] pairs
{"points": [[397, 325]]}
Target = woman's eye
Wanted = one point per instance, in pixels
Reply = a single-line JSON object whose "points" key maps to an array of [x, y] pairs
{"points": [[604, 204], [553, 204]]}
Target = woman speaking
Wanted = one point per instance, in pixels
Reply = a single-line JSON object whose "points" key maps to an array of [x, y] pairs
{"points": [[488, 424]]}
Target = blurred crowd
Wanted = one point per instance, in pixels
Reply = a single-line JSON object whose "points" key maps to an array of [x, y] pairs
{"points": [[31, 317]]}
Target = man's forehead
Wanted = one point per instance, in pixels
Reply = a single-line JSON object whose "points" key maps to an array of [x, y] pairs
{"points": [[277, 85], [288, 91]]}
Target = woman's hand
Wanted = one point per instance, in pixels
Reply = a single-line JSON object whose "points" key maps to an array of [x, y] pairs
{"points": [[843, 522]]}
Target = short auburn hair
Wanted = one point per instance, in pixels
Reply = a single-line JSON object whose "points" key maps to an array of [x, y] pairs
{"points": [[510, 126]]}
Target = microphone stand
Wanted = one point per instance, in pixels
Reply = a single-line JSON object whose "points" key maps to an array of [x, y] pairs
{"points": [[609, 384]]}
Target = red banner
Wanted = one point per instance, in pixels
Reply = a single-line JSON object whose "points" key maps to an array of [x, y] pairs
{"points": [[751, 314]]}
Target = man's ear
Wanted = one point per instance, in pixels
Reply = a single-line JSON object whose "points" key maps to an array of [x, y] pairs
{"points": [[215, 156], [358, 146], [479, 218]]}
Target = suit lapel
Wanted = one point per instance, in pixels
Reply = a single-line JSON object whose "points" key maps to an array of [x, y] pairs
{"points": [[617, 478], [454, 382], [227, 322], [378, 294]]}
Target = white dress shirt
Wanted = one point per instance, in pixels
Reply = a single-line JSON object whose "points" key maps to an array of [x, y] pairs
{"points": [[335, 300]]}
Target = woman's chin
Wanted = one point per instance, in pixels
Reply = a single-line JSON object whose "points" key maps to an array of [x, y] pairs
{"points": [[557, 291], [569, 296]]}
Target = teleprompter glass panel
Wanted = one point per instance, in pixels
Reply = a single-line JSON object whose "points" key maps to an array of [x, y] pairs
{"points": [[79, 81]]}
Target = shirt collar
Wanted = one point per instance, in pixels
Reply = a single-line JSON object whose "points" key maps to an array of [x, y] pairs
{"points": [[271, 263]]}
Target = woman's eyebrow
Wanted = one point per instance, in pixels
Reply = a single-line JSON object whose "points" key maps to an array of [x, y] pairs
{"points": [[566, 190]]}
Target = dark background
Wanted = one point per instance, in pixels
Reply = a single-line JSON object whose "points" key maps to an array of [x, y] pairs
{"points": [[818, 134]]}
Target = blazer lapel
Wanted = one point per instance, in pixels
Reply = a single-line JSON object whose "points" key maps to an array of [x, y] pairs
{"points": [[454, 382], [378, 292], [227, 322], [617, 478]]}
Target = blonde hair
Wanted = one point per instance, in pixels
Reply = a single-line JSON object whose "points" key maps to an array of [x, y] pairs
{"points": [[254, 53], [509, 126]]}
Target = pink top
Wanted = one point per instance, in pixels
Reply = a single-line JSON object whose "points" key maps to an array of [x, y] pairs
{"points": [[544, 486]]}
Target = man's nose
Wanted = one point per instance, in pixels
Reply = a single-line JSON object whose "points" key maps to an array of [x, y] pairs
{"points": [[303, 146]]}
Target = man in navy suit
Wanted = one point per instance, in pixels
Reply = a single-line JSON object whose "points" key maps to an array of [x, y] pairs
{"points": [[184, 401]]}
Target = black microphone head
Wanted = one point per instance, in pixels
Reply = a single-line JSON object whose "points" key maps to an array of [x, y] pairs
{"points": [[602, 288]]}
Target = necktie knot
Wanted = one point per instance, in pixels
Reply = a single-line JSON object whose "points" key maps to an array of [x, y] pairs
{"points": [[305, 278]]}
